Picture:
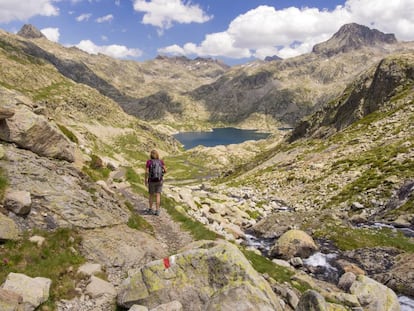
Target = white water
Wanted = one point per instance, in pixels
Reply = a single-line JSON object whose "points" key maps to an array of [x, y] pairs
{"points": [[320, 260], [407, 304]]}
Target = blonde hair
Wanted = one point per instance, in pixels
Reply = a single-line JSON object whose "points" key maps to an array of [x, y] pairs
{"points": [[154, 154]]}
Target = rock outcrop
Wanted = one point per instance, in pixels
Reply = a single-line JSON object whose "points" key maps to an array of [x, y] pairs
{"points": [[34, 132], [206, 275], [34, 291], [30, 32], [352, 37]]}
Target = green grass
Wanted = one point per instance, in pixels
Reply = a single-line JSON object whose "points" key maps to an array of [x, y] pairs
{"points": [[95, 169], [68, 133], [263, 265], [54, 260], [3, 183], [137, 222], [353, 238], [52, 90], [376, 166], [197, 229], [184, 167]]}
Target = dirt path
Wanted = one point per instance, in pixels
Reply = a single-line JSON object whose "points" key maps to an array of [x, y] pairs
{"points": [[166, 230]]}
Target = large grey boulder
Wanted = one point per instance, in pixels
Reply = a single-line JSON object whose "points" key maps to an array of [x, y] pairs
{"points": [[98, 287], [294, 243], [34, 291], [34, 132], [17, 201], [374, 296], [8, 229], [206, 275]]}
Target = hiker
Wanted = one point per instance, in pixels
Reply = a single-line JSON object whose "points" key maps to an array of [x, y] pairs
{"points": [[154, 172]]}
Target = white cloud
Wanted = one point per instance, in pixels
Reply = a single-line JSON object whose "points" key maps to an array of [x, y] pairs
{"points": [[292, 31], [113, 50], [52, 34], [106, 18], [23, 10], [84, 17], [163, 13]]}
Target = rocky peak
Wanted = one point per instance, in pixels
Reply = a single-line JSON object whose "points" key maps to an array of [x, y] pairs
{"points": [[272, 58], [29, 31], [352, 37]]}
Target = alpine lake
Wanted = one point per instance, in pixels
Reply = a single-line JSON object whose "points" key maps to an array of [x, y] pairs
{"points": [[218, 136]]}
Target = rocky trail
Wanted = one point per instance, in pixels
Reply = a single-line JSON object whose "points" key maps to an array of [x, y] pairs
{"points": [[166, 230]]}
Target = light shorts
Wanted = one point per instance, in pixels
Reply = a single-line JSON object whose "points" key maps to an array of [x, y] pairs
{"points": [[155, 187]]}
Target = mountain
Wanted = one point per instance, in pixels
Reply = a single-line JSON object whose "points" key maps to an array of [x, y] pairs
{"points": [[30, 32], [371, 92], [351, 37], [287, 90], [72, 191], [189, 93]]}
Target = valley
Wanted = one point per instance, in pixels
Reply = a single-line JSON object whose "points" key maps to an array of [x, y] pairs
{"points": [[76, 130]]}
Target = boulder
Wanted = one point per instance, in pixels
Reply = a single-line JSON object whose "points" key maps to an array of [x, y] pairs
{"points": [[311, 301], [34, 291], [98, 287], [39, 240], [90, 269], [6, 113], [33, 132], [401, 276], [19, 202], [8, 229], [294, 243], [374, 296], [170, 306], [346, 281], [208, 275]]}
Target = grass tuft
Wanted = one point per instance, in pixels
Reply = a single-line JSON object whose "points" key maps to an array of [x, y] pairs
{"points": [[57, 259]]}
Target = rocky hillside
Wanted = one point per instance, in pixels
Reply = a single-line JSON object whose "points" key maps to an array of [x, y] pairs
{"points": [[287, 90]]}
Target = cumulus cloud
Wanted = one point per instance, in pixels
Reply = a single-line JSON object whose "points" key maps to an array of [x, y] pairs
{"points": [[164, 13], [52, 34], [23, 10], [83, 17], [266, 31], [113, 50], [106, 18]]}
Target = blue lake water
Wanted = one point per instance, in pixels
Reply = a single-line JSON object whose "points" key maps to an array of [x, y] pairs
{"points": [[219, 136]]}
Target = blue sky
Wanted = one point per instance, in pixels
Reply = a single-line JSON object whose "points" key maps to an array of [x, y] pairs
{"points": [[231, 30]]}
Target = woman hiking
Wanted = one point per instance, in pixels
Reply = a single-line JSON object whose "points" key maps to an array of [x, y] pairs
{"points": [[154, 172]]}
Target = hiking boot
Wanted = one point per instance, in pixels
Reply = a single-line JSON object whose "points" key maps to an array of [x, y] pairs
{"points": [[157, 212]]}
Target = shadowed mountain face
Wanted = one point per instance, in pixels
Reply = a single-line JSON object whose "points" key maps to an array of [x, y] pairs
{"points": [[290, 89], [373, 91], [179, 89]]}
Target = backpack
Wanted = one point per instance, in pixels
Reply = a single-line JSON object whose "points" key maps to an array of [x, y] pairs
{"points": [[156, 171]]}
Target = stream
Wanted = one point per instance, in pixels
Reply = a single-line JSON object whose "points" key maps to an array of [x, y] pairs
{"points": [[322, 264]]}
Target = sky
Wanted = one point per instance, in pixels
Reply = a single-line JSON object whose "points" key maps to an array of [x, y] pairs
{"points": [[234, 31]]}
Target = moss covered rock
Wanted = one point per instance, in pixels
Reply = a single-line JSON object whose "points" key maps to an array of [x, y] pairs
{"points": [[374, 296], [294, 243], [206, 275]]}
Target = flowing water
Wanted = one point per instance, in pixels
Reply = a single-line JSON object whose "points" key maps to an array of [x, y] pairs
{"points": [[320, 263]]}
